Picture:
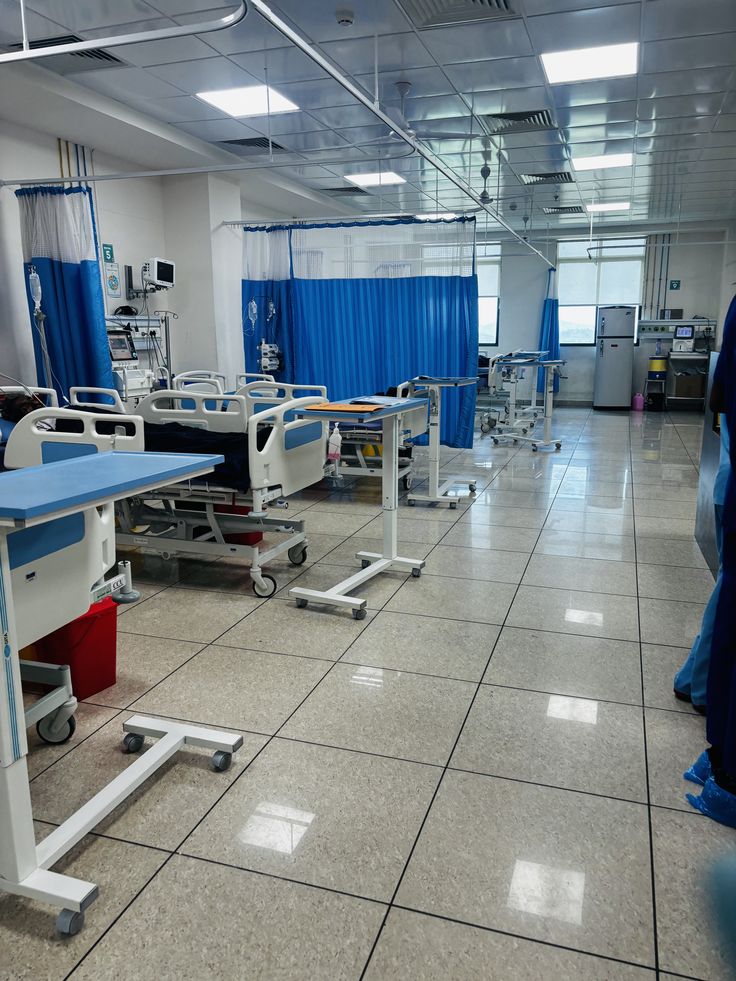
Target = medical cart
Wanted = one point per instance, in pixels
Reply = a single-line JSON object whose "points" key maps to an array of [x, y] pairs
{"points": [[389, 411], [57, 539], [432, 388], [552, 369]]}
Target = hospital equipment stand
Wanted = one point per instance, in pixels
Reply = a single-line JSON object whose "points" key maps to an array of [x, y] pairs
{"points": [[373, 562], [551, 369], [444, 493], [55, 511]]}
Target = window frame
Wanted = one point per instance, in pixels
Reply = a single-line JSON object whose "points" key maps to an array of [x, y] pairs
{"points": [[496, 261]]}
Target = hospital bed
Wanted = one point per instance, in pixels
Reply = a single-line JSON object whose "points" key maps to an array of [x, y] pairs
{"points": [[270, 455]]}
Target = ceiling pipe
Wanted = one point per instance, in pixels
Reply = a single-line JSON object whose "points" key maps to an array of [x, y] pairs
{"points": [[28, 53], [306, 48]]}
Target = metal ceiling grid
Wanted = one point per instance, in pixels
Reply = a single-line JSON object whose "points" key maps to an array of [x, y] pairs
{"points": [[678, 115]]}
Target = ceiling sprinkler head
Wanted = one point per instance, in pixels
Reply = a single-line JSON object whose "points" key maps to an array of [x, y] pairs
{"points": [[345, 16]]}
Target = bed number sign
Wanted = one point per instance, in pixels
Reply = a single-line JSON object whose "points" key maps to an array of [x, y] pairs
{"points": [[108, 253], [675, 284]]}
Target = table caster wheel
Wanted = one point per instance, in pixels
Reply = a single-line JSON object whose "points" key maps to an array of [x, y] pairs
{"points": [[416, 573], [221, 761], [495, 441], [45, 730], [411, 503], [297, 554], [485, 428], [407, 481], [132, 742], [453, 505], [558, 446], [364, 563], [265, 587], [472, 488], [301, 603], [524, 432], [166, 556], [359, 614], [534, 448], [69, 922]]}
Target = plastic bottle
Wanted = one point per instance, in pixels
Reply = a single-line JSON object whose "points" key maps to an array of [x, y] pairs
{"points": [[334, 445], [637, 403]]}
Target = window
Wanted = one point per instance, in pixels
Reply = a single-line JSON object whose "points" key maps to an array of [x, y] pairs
{"points": [[488, 267], [613, 276]]}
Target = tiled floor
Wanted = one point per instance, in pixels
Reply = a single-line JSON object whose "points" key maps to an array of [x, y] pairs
{"points": [[482, 779]]}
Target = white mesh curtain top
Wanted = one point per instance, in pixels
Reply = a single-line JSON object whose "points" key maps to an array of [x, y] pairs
{"points": [[366, 250], [57, 226], [266, 254]]}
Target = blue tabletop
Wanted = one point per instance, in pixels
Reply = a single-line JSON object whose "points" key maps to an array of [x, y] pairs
{"points": [[446, 381], [37, 491], [399, 407]]}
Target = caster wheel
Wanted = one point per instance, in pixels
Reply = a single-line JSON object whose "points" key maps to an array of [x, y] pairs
{"points": [[132, 742], [453, 505], [407, 481], [416, 573], [359, 614], [301, 603], [558, 446], [472, 488], [265, 588], [221, 761], [364, 563], [69, 922], [524, 432], [297, 554], [45, 731], [166, 556], [495, 441], [411, 503], [534, 448], [485, 428]]}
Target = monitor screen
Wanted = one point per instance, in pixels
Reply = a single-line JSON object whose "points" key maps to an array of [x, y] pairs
{"points": [[685, 333], [121, 348], [164, 272]]}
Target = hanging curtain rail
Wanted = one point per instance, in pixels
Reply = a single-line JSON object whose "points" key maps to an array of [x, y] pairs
{"points": [[29, 52], [340, 219], [306, 48]]}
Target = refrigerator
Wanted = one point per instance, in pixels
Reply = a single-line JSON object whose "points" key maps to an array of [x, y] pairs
{"points": [[614, 357]]}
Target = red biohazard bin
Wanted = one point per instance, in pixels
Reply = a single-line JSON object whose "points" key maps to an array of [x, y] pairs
{"points": [[88, 645], [239, 538]]}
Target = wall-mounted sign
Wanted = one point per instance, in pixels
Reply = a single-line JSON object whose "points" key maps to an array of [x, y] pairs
{"points": [[675, 284], [112, 279], [108, 253]]}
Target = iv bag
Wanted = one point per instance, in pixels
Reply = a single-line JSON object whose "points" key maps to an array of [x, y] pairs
{"points": [[252, 316]]}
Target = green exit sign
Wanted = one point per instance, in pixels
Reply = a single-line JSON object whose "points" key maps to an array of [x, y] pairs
{"points": [[675, 284], [108, 253]]}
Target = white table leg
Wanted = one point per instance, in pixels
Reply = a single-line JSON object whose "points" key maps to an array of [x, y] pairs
{"points": [[444, 493]]}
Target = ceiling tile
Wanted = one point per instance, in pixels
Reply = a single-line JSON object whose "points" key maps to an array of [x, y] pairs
{"points": [[317, 94], [276, 65], [684, 54], [585, 28], [218, 129], [678, 106], [253, 33], [340, 117], [597, 115], [320, 140], [702, 82], [204, 75], [503, 73], [317, 19], [87, 14], [285, 122], [611, 131], [424, 82], [164, 52], [179, 109], [683, 18], [594, 93], [121, 82], [478, 42], [396, 52], [11, 31], [511, 100], [726, 122]]}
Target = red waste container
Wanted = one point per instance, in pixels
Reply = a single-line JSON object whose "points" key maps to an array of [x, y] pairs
{"points": [[88, 645], [239, 538]]}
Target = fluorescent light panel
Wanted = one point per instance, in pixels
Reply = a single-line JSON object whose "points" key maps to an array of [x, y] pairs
{"points": [[375, 180], [609, 206], [583, 64], [437, 216], [603, 162], [249, 100]]}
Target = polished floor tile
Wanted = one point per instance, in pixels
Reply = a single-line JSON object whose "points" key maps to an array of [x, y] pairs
{"points": [[675, 583], [319, 815], [665, 527], [392, 713], [423, 530], [575, 612], [594, 504], [481, 514], [595, 575], [685, 847], [659, 551], [546, 864], [575, 743], [674, 509], [659, 666], [148, 566], [490, 565], [344, 553], [322, 575], [674, 741], [458, 599], [590, 522], [162, 812], [424, 645], [227, 923], [187, 614], [417, 947], [141, 663], [669, 622], [282, 627], [566, 664], [31, 947], [492, 536], [236, 689], [617, 548]]}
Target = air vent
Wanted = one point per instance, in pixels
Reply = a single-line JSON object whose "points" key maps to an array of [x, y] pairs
{"points": [[256, 143], [71, 61], [509, 123], [340, 191], [548, 177], [446, 13], [572, 209]]}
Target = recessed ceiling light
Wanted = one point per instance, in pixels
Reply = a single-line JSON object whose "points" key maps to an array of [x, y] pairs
{"points": [[609, 206], [437, 216], [581, 64], [603, 162], [249, 100], [375, 180]]}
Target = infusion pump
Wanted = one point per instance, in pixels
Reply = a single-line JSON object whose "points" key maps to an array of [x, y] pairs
{"points": [[131, 381]]}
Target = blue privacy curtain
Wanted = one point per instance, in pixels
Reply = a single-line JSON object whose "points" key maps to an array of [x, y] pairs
{"points": [[58, 235], [371, 304], [549, 330]]}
